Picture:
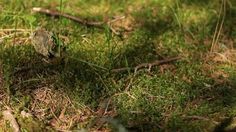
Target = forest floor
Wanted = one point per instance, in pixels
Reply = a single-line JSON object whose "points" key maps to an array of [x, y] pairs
{"points": [[91, 92]]}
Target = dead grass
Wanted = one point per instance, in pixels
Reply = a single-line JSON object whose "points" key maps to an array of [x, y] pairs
{"points": [[56, 108], [225, 57]]}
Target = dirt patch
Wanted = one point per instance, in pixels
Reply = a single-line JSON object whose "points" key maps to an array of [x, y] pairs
{"points": [[55, 108], [215, 60], [122, 25]]}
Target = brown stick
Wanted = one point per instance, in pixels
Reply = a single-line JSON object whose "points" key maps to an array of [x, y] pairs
{"points": [[144, 65], [76, 19]]}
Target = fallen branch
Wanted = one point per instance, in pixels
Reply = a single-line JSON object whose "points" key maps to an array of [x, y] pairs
{"points": [[15, 30], [76, 19], [145, 65], [98, 24]]}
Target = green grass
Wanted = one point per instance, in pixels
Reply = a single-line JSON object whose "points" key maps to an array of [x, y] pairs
{"points": [[165, 99]]}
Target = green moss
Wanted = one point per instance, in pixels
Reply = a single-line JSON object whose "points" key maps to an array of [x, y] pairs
{"points": [[143, 101], [30, 124]]}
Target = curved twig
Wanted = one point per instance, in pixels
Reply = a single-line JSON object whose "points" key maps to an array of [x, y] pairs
{"points": [[76, 19], [146, 65]]}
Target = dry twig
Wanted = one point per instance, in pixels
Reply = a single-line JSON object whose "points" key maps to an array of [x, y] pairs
{"points": [[145, 65], [15, 30], [98, 24], [76, 19]]}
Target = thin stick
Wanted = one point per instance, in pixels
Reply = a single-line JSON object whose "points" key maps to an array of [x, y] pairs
{"points": [[98, 24], [145, 65], [76, 19], [11, 35], [17, 29]]}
